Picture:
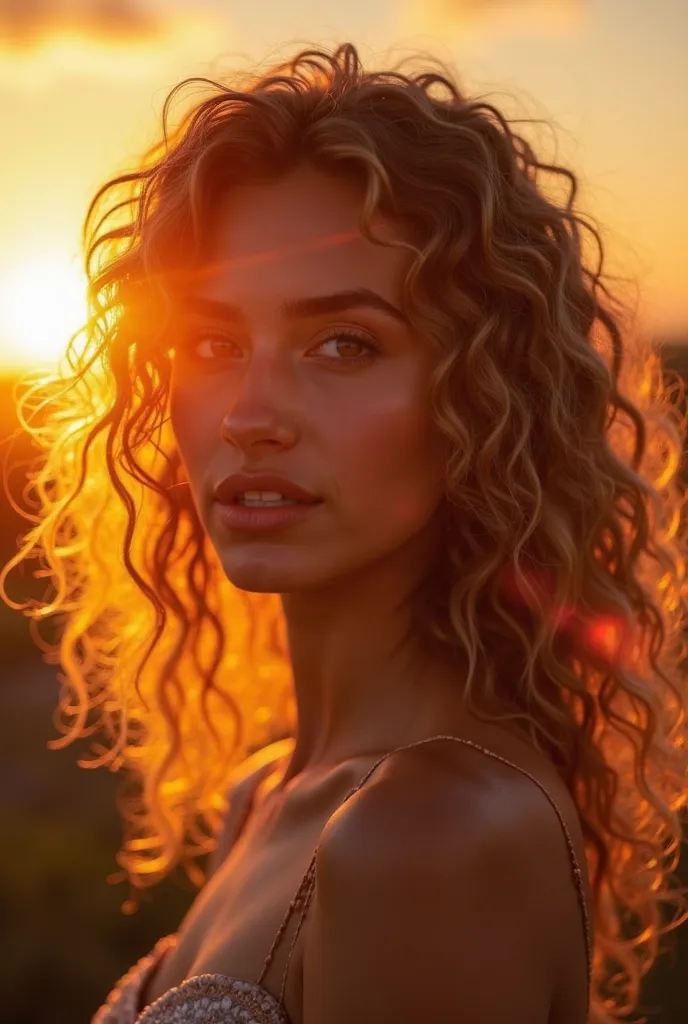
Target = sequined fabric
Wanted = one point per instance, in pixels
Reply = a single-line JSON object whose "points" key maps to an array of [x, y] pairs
{"points": [[123, 1001], [213, 999], [205, 999]]}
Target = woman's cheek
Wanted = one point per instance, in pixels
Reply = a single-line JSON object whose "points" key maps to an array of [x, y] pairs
{"points": [[389, 465]]}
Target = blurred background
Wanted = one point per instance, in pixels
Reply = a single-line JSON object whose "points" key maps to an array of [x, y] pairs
{"points": [[82, 83]]}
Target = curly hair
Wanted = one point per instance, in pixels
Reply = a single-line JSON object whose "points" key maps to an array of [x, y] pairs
{"points": [[562, 587]]}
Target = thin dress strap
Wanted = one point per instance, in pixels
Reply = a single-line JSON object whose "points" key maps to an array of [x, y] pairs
{"points": [[304, 893]]}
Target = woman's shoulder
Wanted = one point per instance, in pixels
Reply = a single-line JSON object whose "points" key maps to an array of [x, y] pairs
{"points": [[436, 837], [477, 782]]}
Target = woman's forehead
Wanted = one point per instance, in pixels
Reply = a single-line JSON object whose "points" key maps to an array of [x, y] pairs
{"points": [[307, 216]]}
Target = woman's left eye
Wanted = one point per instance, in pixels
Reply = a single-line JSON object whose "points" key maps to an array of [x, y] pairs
{"points": [[351, 338]]}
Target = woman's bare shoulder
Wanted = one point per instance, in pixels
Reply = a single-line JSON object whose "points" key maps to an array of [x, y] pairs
{"points": [[437, 862], [450, 782]]}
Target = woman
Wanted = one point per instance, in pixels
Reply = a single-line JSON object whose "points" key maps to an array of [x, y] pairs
{"points": [[365, 546]]}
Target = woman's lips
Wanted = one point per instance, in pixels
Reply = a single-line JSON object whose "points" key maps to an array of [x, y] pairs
{"points": [[245, 517]]}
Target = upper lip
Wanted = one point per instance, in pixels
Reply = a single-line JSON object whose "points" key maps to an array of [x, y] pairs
{"points": [[227, 489]]}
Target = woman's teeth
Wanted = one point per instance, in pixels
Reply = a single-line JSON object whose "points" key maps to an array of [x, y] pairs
{"points": [[263, 498]]}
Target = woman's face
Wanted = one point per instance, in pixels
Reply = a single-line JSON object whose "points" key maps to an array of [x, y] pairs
{"points": [[259, 389]]}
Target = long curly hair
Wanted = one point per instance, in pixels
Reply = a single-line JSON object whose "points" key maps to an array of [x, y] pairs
{"points": [[562, 589]]}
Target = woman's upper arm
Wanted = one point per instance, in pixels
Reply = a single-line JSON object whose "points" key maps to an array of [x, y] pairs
{"points": [[416, 920]]}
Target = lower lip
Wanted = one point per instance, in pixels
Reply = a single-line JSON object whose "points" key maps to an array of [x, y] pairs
{"points": [[241, 517]]}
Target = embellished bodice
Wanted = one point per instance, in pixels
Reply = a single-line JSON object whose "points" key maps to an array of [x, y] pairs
{"points": [[204, 999]]}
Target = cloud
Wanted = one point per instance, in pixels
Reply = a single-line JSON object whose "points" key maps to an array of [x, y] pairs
{"points": [[41, 40], [478, 18], [26, 23], [480, 8]]}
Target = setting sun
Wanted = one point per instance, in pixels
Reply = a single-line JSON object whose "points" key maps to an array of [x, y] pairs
{"points": [[42, 303]]}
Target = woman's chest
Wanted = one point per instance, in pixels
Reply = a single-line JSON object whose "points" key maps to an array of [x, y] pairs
{"points": [[232, 926]]}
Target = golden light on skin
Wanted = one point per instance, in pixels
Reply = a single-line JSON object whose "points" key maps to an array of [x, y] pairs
{"points": [[42, 303]]}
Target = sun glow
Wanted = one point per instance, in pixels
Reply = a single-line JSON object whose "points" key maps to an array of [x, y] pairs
{"points": [[42, 303]]}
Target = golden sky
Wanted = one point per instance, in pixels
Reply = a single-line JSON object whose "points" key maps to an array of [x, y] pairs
{"points": [[82, 83]]}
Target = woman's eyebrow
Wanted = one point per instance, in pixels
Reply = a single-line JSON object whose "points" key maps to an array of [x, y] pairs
{"points": [[312, 305]]}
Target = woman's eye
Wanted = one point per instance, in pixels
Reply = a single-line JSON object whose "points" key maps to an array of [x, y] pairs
{"points": [[211, 342], [204, 347], [350, 339]]}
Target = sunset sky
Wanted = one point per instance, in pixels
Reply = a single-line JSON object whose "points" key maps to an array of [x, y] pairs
{"points": [[82, 83]]}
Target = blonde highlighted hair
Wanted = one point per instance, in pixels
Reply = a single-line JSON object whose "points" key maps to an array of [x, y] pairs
{"points": [[562, 590]]}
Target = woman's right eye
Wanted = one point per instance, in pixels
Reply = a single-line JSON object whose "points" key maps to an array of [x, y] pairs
{"points": [[193, 344]]}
